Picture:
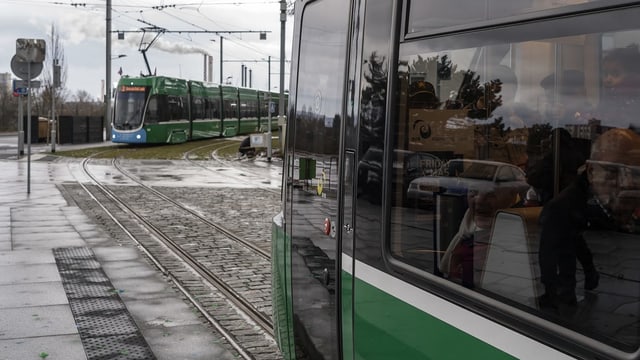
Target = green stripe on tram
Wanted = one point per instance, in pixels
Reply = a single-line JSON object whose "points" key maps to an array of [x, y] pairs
{"points": [[388, 328]]}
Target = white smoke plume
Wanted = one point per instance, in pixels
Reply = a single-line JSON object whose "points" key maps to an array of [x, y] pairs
{"points": [[77, 29], [159, 44]]}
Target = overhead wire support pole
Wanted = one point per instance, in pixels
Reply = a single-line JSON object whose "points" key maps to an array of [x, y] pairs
{"points": [[281, 110], [269, 135], [107, 111]]}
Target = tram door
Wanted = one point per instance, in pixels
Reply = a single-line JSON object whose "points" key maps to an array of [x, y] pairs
{"points": [[349, 172], [314, 150]]}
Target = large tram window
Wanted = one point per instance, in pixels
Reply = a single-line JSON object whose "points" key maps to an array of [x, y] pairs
{"points": [[516, 172], [129, 108]]}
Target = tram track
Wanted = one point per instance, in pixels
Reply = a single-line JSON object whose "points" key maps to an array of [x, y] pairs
{"points": [[245, 177], [265, 253], [257, 313]]}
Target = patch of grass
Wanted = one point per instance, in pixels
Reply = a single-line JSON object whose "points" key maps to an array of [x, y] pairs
{"points": [[164, 151], [199, 149]]}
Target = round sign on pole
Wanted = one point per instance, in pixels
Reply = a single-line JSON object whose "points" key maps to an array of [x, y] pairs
{"points": [[20, 68]]}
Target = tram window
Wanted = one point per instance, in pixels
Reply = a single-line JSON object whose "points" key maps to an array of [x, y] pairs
{"points": [[519, 201], [230, 109], [248, 108], [213, 108], [176, 108], [152, 114], [198, 111], [433, 15], [129, 107]]}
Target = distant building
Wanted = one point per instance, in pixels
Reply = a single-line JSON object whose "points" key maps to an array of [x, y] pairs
{"points": [[5, 82], [589, 131]]}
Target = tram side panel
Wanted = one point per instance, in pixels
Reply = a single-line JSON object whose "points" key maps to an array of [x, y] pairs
{"points": [[446, 263], [205, 110], [457, 273]]}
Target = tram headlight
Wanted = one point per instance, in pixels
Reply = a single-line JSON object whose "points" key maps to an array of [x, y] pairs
{"points": [[138, 136], [113, 136]]}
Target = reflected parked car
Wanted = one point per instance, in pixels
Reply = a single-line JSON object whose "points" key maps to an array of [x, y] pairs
{"points": [[458, 176], [407, 165]]}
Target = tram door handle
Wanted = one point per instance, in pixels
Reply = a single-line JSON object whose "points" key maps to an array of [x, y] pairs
{"points": [[348, 228]]}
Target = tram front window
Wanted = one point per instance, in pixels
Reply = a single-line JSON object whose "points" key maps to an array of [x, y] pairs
{"points": [[129, 109], [558, 227]]}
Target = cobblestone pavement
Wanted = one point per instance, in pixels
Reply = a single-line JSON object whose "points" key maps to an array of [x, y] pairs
{"points": [[246, 211]]}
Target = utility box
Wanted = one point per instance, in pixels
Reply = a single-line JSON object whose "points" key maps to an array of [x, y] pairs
{"points": [[80, 129], [259, 140], [34, 129]]}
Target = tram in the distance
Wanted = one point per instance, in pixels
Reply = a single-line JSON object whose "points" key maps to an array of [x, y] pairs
{"points": [[166, 110], [461, 181]]}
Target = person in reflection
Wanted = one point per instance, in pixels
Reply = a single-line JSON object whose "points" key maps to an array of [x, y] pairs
{"points": [[468, 247], [604, 195], [539, 174], [620, 87], [565, 97]]}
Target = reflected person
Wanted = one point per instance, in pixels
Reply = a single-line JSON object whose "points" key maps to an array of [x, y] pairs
{"points": [[604, 195], [468, 247], [620, 87]]}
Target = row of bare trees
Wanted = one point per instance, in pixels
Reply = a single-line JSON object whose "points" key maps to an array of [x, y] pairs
{"points": [[80, 103]]}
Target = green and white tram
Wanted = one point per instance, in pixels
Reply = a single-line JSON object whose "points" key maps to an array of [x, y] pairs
{"points": [[461, 181], [161, 109]]}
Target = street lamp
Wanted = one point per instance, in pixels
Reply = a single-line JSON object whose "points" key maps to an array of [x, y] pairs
{"points": [[118, 56]]}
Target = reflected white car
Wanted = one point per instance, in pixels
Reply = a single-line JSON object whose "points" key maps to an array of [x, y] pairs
{"points": [[458, 176]]}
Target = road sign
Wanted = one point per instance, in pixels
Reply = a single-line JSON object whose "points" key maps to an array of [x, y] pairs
{"points": [[25, 83], [20, 87], [21, 69], [31, 50]]}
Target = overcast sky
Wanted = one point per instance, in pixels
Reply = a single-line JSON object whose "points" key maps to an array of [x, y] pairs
{"points": [[82, 32]]}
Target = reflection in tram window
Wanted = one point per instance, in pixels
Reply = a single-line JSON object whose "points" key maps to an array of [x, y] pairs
{"points": [[554, 224]]}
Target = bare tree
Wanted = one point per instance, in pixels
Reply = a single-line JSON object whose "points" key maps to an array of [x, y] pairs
{"points": [[48, 90], [8, 111], [84, 104], [82, 96]]}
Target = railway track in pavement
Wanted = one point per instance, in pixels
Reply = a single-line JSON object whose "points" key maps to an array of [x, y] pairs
{"points": [[199, 254], [248, 173]]}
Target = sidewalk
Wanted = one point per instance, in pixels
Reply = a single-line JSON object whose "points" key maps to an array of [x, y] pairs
{"points": [[68, 291]]}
